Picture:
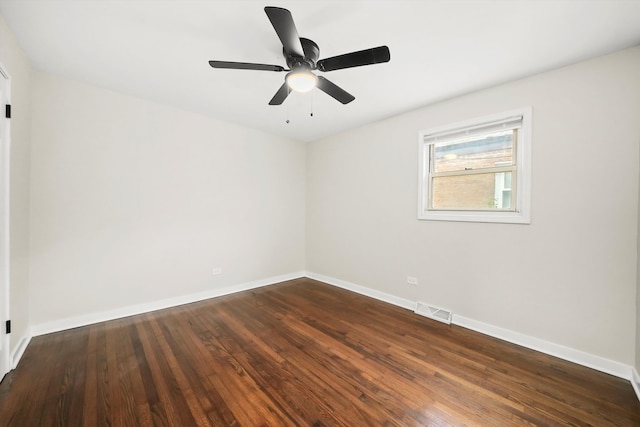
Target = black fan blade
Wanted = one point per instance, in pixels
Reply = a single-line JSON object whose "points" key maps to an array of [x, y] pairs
{"points": [[245, 66], [334, 91], [371, 56], [280, 95], [282, 22]]}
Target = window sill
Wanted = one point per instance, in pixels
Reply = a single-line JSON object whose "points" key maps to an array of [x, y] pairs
{"points": [[475, 216]]}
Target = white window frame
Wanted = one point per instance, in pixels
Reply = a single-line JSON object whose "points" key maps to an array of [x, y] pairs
{"points": [[522, 212]]}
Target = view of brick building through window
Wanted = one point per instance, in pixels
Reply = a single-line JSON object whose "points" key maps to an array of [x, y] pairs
{"points": [[464, 174]]}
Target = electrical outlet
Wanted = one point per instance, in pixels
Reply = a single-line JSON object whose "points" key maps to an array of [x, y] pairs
{"points": [[216, 271], [412, 280]]}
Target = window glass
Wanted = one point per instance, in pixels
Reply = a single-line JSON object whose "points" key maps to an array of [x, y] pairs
{"points": [[483, 191], [475, 152]]}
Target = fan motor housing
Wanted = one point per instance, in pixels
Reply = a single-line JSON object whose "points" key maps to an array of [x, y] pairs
{"points": [[311, 55]]}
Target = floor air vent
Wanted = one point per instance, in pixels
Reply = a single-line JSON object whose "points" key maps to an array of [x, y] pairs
{"points": [[434, 313]]}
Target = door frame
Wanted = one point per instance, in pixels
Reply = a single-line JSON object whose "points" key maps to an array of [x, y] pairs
{"points": [[5, 151]]}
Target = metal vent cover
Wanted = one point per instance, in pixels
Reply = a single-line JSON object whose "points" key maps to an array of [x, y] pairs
{"points": [[435, 313]]}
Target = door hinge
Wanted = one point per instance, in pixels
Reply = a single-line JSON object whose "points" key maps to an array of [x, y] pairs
{"points": [[8, 326], [7, 111]]}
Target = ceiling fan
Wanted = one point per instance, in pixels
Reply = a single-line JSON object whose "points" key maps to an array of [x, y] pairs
{"points": [[301, 56]]}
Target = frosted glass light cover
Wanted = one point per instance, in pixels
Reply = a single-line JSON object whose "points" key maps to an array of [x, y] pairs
{"points": [[301, 81]]}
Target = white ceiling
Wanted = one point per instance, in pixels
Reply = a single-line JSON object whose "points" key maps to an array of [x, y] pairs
{"points": [[159, 50]]}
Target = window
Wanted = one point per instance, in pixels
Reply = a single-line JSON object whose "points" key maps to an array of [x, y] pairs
{"points": [[478, 170]]}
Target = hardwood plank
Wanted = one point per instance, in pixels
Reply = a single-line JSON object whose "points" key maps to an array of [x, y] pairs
{"points": [[294, 354], [172, 408], [90, 398]]}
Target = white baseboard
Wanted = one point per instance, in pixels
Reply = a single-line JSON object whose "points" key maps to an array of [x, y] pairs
{"points": [[88, 319], [17, 352], [635, 382], [576, 356], [363, 290], [572, 355]]}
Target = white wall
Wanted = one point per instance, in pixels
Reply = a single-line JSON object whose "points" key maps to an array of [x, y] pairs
{"points": [[568, 278], [134, 202], [637, 360], [16, 63]]}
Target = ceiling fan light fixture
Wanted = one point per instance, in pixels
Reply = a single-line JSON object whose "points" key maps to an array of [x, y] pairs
{"points": [[301, 80], [301, 56]]}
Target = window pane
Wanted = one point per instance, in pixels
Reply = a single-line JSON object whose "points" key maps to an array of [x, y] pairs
{"points": [[475, 152], [482, 191]]}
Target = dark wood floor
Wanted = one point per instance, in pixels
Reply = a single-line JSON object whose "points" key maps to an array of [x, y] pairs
{"points": [[300, 353]]}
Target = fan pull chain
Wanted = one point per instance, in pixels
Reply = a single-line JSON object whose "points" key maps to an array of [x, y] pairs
{"points": [[287, 114], [311, 105]]}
